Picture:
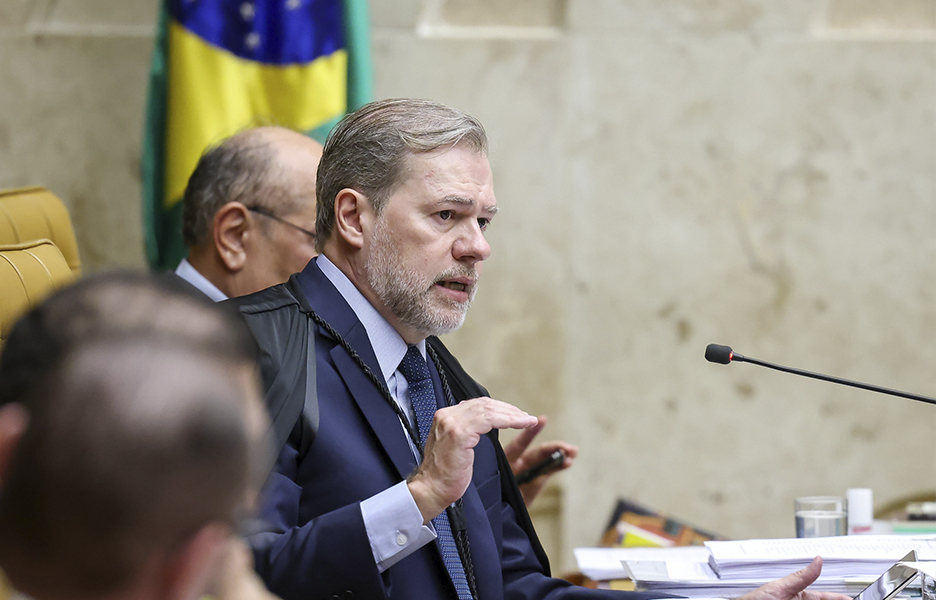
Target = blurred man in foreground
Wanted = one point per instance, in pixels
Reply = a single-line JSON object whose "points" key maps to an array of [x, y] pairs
{"points": [[130, 442]]}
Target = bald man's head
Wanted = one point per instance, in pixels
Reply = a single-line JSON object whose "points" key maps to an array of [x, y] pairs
{"points": [[268, 167], [249, 209]]}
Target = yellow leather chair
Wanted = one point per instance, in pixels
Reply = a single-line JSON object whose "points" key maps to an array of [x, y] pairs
{"points": [[6, 592], [35, 213], [28, 273]]}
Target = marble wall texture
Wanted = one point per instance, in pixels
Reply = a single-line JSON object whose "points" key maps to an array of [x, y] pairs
{"points": [[757, 173]]}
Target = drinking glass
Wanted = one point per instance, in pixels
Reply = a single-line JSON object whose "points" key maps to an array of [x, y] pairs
{"points": [[820, 516]]}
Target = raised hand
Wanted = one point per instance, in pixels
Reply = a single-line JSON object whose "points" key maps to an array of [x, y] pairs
{"points": [[448, 457]]}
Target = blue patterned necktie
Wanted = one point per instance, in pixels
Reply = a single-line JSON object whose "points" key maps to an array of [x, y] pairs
{"points": [[422, 395]]}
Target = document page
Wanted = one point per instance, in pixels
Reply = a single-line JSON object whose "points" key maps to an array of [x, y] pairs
{"points": [[854, 557], [602, 564], [854, 547]]}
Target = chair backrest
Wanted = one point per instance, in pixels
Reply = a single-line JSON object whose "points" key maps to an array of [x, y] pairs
{"points": [[35, 213], [28, 273]]}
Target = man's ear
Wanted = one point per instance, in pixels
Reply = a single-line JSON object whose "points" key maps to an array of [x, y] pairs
{"points": [[13, 422], [229, 229], [193, 569], [353, 213]]}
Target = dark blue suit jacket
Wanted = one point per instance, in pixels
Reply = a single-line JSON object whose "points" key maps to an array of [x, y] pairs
{"points": [[352, 446]]}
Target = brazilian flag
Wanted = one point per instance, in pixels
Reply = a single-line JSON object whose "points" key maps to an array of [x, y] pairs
{"points": [[220, 66]]}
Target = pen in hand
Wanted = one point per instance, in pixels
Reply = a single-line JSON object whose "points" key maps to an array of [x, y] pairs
{"points": [[551, 463]]}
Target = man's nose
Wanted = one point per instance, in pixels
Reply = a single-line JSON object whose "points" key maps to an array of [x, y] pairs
{"points": [[471, 245]]}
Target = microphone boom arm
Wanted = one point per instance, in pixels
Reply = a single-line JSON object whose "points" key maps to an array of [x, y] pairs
{"points": [[734, 356]]}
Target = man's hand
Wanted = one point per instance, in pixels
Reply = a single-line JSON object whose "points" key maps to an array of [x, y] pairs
{"points": [[793, 587], [522, 457], [448, 458]]}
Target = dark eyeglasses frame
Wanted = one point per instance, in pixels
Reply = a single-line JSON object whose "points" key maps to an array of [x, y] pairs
{"points": [[262, 211]]}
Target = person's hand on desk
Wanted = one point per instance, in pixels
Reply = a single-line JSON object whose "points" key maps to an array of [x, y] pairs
{"points": [[793, 587], [522, 457]]}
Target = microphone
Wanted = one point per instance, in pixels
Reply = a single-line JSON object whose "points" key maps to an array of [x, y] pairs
{"points": [[719, 354], [724, 354]]}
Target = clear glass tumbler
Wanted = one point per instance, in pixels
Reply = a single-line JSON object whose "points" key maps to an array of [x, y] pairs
{"points": [[821, 516]]}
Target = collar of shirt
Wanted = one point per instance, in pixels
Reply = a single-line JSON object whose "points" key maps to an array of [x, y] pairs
{"points": [[388, 345], [186, 271]]}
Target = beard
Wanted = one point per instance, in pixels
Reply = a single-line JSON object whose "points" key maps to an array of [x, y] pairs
{"points": [[409, 295]]}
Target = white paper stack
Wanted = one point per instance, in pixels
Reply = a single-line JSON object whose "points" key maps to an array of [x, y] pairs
{"points": [[603, 564], [729, 569], [696, 578], [843, 557]]}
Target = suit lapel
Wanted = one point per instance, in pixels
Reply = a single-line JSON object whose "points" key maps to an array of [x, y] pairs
{"points": [[375, 408], [328, 303]]}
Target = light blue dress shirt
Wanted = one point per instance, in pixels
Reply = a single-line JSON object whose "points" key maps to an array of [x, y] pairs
{"points": [[186, 271]]}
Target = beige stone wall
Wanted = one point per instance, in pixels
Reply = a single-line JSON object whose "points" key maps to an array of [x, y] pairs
{"points": [[672, 173], [72, 90]]}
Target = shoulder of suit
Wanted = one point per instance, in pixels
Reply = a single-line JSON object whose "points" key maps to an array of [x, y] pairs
{"points": [[279, 297]]}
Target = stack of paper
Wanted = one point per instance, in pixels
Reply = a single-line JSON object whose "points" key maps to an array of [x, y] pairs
{"points": [[603, 564], [696, 578], [843, 557], [730, 569]]}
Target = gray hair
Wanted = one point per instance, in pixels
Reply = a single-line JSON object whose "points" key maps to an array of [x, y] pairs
{"points": [[367, 150], [242, 169]]}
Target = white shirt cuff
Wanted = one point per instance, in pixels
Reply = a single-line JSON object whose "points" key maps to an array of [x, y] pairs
{"points": [[394, 525]]}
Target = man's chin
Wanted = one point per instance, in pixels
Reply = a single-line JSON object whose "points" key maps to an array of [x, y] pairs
{"points": [[448, 322], [442, 329]]}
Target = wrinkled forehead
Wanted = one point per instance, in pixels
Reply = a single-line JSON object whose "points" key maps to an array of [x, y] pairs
{"points": [[461, 166]]}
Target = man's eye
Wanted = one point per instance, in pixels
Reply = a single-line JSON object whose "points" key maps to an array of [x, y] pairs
{"points": [[445, 215], [483, 223]]}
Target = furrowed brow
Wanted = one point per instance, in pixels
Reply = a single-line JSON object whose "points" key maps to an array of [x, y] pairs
{"points": [[489, 208]]}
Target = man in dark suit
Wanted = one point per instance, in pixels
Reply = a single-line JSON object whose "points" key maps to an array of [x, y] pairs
{"points": [[386, 487], [248, 224]]}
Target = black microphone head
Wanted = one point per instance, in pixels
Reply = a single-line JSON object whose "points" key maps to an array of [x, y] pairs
{"points": [[718, 354]]}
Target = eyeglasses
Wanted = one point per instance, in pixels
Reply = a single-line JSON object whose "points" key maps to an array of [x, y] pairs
{"points": [[268, 214]]}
